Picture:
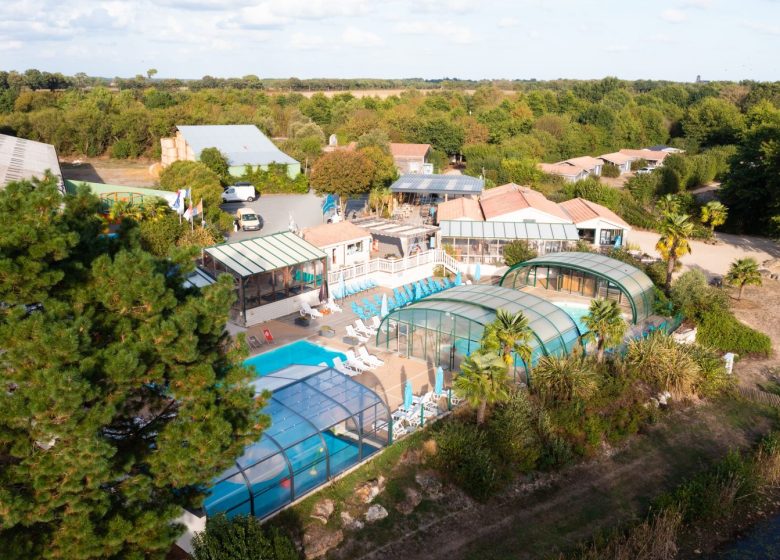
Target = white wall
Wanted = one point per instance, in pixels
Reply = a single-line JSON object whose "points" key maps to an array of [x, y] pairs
{"points": [[529, 214], [344, 259], [598, 224], [281, 308]]}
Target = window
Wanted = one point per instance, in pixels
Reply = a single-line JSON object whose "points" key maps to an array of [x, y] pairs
{"points": [[353, 248]]}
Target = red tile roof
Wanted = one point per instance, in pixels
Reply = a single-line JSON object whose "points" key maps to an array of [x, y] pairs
{"points": [[458, 209], [409, 150], [564, 169], [616, 158], [511, 198], [649, 155], [585, 162], [330, 234], [582, 210]]}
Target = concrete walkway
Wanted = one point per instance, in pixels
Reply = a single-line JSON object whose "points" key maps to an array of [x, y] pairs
{"points": [[713, 259]]}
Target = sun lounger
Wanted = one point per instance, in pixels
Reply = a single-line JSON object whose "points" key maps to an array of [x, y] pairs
{"points": [[369, 359], [253, 342], [362, 328], [331, 305], [356, 363], [269, 338], [375, 323], [354, 334], [341, 367], [306, 309]]}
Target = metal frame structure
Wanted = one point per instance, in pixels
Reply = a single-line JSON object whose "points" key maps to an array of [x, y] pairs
{"points": [[457, 317], [629, 280], [305, 402]]}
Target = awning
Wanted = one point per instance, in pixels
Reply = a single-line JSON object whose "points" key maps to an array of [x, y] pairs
{"points": [[509, 230], [266, 253], [438, 184], [198, 279]]}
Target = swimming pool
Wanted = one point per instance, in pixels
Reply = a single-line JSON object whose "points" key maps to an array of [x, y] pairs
{"points": [[576, 311], [300, 352]]}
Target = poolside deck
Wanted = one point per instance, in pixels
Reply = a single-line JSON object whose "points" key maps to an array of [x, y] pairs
{"points": [[387, 381]]}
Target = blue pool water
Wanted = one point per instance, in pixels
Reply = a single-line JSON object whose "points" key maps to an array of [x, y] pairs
{"points": [[301, 352], [576, 312]]}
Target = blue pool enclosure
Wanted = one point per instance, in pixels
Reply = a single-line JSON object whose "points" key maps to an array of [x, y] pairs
{"points": [[443, 328], [301, 352], [322, 423], [576, 311]]}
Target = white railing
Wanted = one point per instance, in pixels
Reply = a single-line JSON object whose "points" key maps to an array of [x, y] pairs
{"points": [[393, 266]]}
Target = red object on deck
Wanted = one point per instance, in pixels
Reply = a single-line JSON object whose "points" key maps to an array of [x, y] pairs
{"points": [[268, 336]]}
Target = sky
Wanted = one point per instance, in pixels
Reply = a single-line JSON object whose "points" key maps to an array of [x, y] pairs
{"points": [[469, 39]]}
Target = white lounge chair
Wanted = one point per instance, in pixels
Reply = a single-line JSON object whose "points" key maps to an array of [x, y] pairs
{"points": [[357, 363], [307, 310], [353, 333], [341, 367], [375, 323], [428, 402], [332, 306], [410, 416], [369, 359], [361, 327]]}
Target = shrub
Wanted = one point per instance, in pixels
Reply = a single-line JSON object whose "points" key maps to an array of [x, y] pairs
{"points": [[664, 365], [518, 251], [512, 432], [216, 161], [160, 236], [656, 272], [275, 180], [713, 377], [693, 297], [563, 379], [610, 170], [241, 538], [465, 457], [638, 164], [720, 329]]}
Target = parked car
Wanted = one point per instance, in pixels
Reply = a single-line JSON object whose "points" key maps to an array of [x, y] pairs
{"points": [[240, 192], [644, 170], [248, 219]]}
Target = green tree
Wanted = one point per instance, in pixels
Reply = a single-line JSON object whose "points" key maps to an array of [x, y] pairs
{"points": [[675, 230], [217, 162], [124, 395], [241, 538], [482, 380], [204, 185], [713, 121], [374, 137], [441, 134], [605, 324], [743, 272], [714, 213], [342, 173], [514, 336], [385, 171], [518, 251], [564, 379], [151, 73]]}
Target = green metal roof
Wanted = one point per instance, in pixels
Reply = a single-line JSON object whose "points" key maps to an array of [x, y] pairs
{"points": [[634, 283], [553, 328], [101, 189], [265, 253]]}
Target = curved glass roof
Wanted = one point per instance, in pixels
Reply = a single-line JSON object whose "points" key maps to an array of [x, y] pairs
{"points": [[322, 422], [634, 283], [554, 330]]}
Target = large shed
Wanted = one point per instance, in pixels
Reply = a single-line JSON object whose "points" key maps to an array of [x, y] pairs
{"points": [[26, 159], [242, 145]]}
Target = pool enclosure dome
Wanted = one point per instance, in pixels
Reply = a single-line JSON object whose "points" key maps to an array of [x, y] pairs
{"points": [[322, 423], [586, 274], [445, 327]]}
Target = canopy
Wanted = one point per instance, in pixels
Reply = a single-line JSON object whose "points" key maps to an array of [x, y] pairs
{"points": [[438, 184], [508, 230]]}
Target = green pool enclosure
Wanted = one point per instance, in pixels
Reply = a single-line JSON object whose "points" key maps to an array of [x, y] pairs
{"points": [[322, 423], [445, 327], [587, 274]]}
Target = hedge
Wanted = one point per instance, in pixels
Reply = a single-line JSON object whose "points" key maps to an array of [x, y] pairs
{"points": [[723, 331]]}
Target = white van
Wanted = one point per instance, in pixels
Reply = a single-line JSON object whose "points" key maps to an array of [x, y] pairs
{"points": [[240, 192], [248, 219]]}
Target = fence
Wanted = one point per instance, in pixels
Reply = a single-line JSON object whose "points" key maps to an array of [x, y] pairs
{"points": [[760, 396], [393, 266]]}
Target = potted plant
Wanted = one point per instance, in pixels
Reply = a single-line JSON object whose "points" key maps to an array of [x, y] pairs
{"points": [[327, 332]]}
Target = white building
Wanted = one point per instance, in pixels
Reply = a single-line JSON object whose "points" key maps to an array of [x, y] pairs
{"points": [[621, 161], [570, 172], [344, 243], [595, 223], [590, 164]]}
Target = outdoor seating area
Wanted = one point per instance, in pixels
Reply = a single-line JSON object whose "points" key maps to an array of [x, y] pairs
{"points": [[353, 288], [416, 410], [406, 294]]}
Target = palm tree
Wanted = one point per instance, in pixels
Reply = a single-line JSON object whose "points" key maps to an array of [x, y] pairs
{"points": [[714, 213], [514, 336], [564, 379], [482, 380], [668, 204], [154, 208], [605, 323], [124, 210], [673, 244], [743, 272]]}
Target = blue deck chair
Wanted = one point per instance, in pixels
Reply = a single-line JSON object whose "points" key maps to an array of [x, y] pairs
{"points": [[378, 300], [409, 292], [424, 287], [391, 303], [447, 283]]}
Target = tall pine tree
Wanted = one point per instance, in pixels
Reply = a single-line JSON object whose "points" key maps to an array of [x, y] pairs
{"points": [[122, 395]]}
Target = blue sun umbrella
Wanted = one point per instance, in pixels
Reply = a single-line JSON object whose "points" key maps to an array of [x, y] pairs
{"points": [[408, 395], [383, 308], [458, 279], [477, 273], [618, 241], [438, 387], [342, 286]]}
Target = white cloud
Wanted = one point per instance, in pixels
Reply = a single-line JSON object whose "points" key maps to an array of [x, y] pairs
{"points": [[674, 16], [508, 22], [306, 41], [320, 9], [257, 17], [762, 27], [703, 4], [10, 45], [441, 6], [617, 48], [359, 38], [453, 32]]}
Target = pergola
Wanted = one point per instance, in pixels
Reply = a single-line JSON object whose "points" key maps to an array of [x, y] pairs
{"points": [[267, 268], [587, 274], [424, 188]]}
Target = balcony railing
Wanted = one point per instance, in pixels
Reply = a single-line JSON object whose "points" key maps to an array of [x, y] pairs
{"points": [[394, 266]]}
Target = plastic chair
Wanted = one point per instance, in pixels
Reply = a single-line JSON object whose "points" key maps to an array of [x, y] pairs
{"points": [[378, 300]]}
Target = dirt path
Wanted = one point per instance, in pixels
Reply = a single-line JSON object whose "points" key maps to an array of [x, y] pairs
{"points": [[581, 501], [759, 309]]}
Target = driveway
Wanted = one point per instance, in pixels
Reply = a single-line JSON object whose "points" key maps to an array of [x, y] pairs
{"points": [[713, 259]]}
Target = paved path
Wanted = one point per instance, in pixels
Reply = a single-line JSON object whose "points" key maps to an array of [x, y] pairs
{"points": [[713, 259]]}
